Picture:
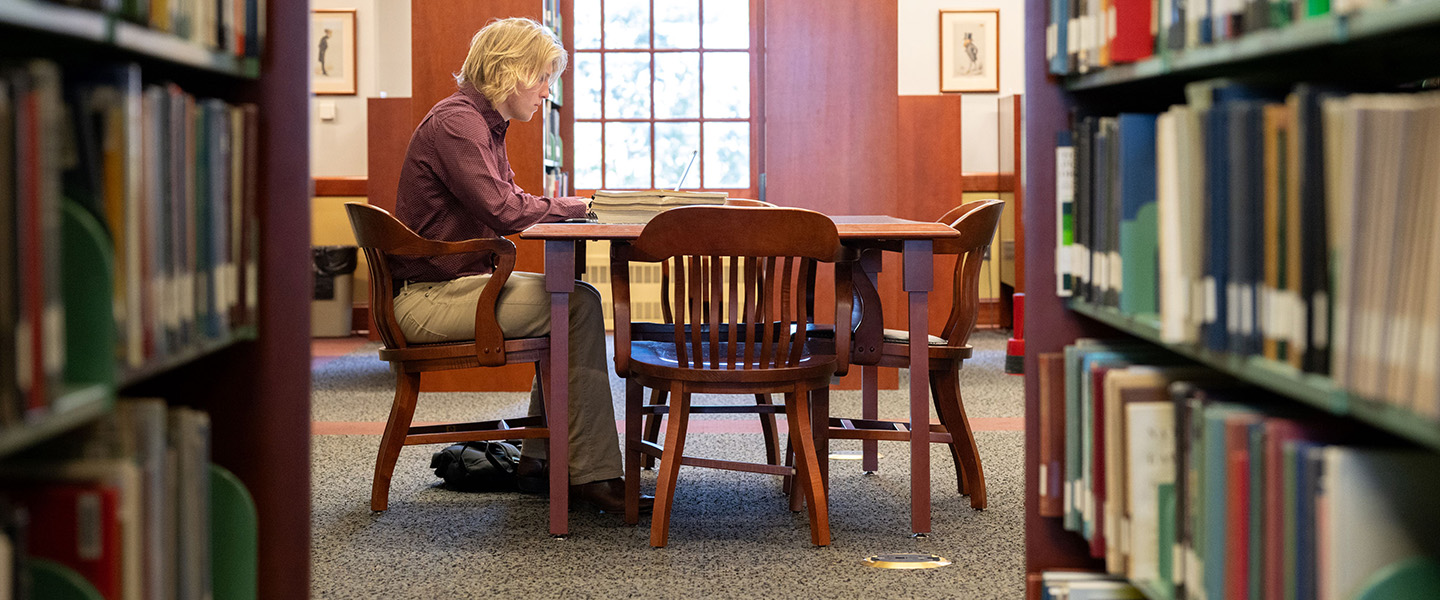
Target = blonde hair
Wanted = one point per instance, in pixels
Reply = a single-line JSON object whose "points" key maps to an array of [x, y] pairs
{"points": [[509, 53]]}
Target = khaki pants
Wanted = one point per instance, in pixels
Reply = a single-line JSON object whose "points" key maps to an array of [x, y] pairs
{"points": [[445, 311]]}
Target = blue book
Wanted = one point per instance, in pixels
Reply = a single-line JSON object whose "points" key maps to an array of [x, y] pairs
{"points": [[1217, 226], [1309, 456], [1139, 222], [1247, 233], [1060, 20]]}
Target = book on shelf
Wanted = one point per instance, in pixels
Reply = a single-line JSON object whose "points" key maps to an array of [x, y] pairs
{"points": [[84, 514], [1064, 215], [612, 206]]}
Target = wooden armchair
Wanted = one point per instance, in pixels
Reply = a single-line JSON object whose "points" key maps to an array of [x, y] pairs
{"points": [[739, 327], [664, 331], [976, 222], [381, 236]]}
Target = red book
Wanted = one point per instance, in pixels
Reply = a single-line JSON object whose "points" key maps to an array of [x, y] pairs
{"points": [[1237, 506], [77, 525], [1133, 38], [1052, 434], [1097, 464]]}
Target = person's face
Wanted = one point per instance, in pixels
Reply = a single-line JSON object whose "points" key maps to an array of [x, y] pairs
{"points": [[521, 105]]}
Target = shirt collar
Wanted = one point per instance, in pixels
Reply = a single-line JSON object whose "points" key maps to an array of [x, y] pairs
{"points": [[493, 118]]}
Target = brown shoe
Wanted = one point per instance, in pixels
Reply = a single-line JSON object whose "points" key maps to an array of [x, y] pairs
{"points": [[609, 495]]}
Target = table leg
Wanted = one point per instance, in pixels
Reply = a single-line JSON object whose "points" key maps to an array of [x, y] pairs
{"points": [[870, 264], [560, 282], [918, 280]]}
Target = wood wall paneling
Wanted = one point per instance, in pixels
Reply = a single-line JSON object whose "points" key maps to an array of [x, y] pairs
{"points": [[830, 105], [341, 186], [928, 183], [391, 121]]}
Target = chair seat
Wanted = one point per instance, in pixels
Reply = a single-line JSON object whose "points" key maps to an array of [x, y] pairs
{"points": [[901, 336], [658, 359]]}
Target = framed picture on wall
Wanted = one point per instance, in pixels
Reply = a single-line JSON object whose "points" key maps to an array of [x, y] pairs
{"points": [[332, 52], [969, 51]]}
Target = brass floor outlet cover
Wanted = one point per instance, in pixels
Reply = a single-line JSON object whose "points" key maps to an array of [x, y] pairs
{"points": [[906, 561]]}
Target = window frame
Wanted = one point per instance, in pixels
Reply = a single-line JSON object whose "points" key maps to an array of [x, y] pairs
{"points": [[756, 118]]}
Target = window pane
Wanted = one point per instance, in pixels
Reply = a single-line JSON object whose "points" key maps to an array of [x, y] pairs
{"points": [[587, 24], [674, 143], [727, 85], [726, 27], [627, 155], [677, 23], [627, 24], [677, 85], [587, 85], [587, 156], [727, 155], [627, 86]]}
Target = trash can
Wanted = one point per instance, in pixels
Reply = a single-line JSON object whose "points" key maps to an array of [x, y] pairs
{"points": [[333, 301]]}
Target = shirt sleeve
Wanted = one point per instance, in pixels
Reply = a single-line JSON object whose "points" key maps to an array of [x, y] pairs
{"points": [[474, 170]]}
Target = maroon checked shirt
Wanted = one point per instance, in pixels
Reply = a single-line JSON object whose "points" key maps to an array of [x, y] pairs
{"points": [[456, 184]]}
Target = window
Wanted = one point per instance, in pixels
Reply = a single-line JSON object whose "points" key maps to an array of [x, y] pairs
{"points": [[658, 82]]}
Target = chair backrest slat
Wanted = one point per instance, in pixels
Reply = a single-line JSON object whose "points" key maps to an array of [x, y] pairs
{"points": [[734, 306], [716, 300], [767, 305], [750, 312], [679, 315], [783, 326]]}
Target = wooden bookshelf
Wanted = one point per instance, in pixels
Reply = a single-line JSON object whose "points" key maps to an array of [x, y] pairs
{"points": [[252, 379], [1348, 49]]}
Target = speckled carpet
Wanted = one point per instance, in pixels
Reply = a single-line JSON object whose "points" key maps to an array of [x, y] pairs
{"points": [[731, 534]]}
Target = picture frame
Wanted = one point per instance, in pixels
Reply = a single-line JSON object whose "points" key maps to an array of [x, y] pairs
{"points": [[970, 51], [332, 52]]}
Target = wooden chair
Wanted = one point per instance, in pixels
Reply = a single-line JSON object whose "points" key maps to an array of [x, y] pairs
{"points": [[739, 328], [976, 222], [381, 236], [664, 331]]}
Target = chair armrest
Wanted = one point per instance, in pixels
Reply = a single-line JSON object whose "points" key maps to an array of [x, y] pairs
{"points": [[489, 339], [620, 300]]}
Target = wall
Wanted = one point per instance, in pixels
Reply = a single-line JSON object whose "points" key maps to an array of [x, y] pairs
{"points": [[919, 55], [338, 147]]}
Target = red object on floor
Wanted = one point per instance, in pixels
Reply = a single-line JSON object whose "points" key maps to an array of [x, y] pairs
{"points": [[1015, 349]]}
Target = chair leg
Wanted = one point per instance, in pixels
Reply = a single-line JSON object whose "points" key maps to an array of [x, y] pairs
{"points": [[820, 419], [963, 450], [670, 464], [767, 428], [807, 466], [652, 424], [634, 395], [407, 390]]}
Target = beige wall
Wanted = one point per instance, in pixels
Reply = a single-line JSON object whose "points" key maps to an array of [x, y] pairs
{"points": [[919, 55], [382, 28]]}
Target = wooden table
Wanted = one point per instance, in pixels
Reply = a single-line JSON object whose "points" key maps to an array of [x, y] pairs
{"points": [[913, 239]]}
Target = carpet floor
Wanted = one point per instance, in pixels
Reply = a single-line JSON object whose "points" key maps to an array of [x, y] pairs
{"points": [[731, 534]]}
